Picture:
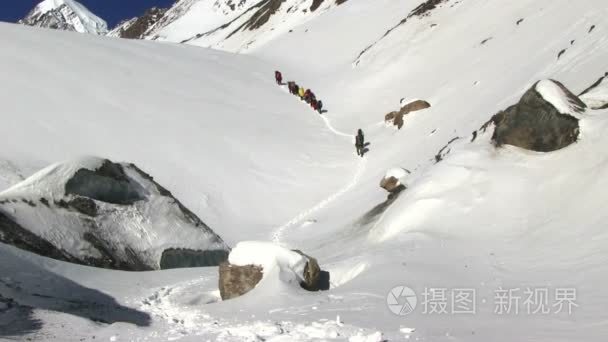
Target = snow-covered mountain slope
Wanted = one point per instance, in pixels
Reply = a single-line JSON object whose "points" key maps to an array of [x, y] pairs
{"points": [[184, 19], [202, 122], [98, 213], [260, 23], [67, 15], [232, 25], [258, 165]]}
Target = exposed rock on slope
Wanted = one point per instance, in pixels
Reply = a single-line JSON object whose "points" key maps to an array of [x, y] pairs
{"points": [[396, 117], [393, 180], [138, 28], [98, 213], [544, 120], [596, 96], [67, 15]]}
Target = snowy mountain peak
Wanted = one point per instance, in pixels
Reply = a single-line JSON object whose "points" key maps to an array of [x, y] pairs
{"points": [[67, 15]]}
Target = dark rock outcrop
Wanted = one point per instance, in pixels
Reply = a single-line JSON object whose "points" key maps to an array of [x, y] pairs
{"points": [[445, 150], [106, 184], [84, 206], [312, 273], [183, 258], [315, 4], [137, 28], [535, 124]]}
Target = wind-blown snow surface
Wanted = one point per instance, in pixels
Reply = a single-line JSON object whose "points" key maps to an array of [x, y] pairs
{"points": [[249, 158]]}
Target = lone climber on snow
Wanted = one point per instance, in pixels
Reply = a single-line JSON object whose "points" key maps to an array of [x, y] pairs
{"points": [[360, 143], [278, 77]]}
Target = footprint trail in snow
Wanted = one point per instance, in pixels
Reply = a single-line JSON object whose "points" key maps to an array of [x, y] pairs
{"points": [[279, 232]]}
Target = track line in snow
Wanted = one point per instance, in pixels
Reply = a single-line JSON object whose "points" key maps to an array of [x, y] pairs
{"points": [[280, 231], [331, 127], [323, 117]]}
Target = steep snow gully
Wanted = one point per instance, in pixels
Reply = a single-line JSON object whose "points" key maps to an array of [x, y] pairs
{"points": [[278, 234]]}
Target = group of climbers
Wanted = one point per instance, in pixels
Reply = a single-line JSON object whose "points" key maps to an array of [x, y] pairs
{"points": [[305, 95], [309, 97]]}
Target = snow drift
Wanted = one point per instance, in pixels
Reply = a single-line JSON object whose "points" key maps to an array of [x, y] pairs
{"points": [[99, 213]]}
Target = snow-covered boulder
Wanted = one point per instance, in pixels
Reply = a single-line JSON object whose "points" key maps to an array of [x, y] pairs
{"points": [[544, 120], [67, 15], [396, 117], [99, 213], [393, 180], [252, 262]]}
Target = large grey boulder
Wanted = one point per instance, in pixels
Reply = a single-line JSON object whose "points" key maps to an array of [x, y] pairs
{"points": [[544, 120]]}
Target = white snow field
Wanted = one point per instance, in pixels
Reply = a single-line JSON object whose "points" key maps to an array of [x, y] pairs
{"points": [[255, 163]]}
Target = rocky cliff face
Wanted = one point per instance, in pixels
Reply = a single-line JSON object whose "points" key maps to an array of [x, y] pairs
{"points": [[67, 15], [139, 28]]}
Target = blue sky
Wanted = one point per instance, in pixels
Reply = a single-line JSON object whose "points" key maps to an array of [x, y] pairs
{"points": [[112, 11]]}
